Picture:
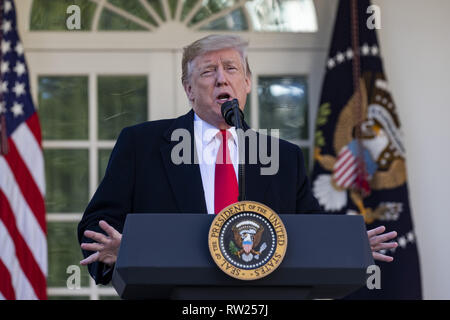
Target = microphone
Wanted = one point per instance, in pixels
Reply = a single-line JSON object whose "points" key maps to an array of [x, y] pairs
{"points": [[234, 117], [229, 110]]}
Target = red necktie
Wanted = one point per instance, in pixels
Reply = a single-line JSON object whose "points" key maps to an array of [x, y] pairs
{"points": [[225, 182]]}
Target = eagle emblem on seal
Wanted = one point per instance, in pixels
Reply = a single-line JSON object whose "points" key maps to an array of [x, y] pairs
{"points": [[247, 236]]}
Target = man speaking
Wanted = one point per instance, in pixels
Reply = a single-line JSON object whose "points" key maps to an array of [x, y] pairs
{"points": [[143, 177]]}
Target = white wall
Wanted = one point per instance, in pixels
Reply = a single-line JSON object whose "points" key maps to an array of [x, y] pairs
{"points": [[415, 44]]}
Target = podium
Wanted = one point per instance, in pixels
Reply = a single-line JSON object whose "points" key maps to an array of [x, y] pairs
{"points": [[166, 256]]}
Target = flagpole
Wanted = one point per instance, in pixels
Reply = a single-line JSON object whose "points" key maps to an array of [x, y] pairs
{"points": [[358, 114]]}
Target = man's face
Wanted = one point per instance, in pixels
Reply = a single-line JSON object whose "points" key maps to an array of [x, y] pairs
{"points": [[216, 77]]}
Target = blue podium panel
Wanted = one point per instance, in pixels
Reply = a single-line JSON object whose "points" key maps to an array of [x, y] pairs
{"points": [[167, 256]]}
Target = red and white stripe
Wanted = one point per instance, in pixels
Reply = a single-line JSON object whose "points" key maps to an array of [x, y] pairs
{"points": [[23, 241], [345, 169]]}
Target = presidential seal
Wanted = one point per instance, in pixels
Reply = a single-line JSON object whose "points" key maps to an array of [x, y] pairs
{"points": [[247, 240]]}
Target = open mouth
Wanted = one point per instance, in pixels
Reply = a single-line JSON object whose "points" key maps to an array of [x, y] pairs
{"points": [[223, 97]]}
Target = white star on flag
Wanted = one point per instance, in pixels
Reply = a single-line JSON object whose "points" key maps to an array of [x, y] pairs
{"points": [[365, 49], [6, 46], [340, 57], [17, 109], [4, 87], [19, 48], [402, 242], [19, 89], [2, 107], [8, 6], [6, 26], [374, 50], [4, 67], [331, 63], [20, 68], [349, 53]]}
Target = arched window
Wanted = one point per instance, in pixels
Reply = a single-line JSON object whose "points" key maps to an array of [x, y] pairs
{"points": [[208, 15], [123, 66]]}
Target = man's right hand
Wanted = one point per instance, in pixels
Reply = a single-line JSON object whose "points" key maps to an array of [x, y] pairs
{"points": [[106, 247]]}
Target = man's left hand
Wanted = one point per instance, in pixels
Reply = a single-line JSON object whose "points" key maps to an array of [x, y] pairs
{"points": [[379, 241]]}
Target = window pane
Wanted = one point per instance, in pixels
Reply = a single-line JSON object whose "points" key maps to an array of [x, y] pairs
{"points": [[52, 15], [173, 6], [112, 21], [202, 14], [122, 101], [235, 21], [188, 5], [282, 16], [63, 107], [103, 158], [283, 105], [135, 8], [67, 180], [64, 251], [210, 8], [156, 5]]}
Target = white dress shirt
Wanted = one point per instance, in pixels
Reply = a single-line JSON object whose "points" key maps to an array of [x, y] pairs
{"points": [[207, 143]]}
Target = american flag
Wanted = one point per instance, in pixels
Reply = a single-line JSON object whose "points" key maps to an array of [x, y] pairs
{"points": [[360, 163], [23, 241], [347, 171]]}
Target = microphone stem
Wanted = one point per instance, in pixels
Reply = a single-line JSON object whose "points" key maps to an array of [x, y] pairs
{"points": [[241, 164]]}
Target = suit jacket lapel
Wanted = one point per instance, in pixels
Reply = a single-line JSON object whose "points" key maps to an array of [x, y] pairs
{"points": [[185, 179]]}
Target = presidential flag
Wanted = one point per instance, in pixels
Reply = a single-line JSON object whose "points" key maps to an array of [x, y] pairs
{"points": [[359, 156], [23, 242]]}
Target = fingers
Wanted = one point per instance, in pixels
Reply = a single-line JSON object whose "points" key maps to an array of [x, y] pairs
{"points": [[96, 236], [113, 233], [92, 246], [379, 241], [385, 246], [92, 258], [381, 257], [376, 231], [382, 238], [100, 237]]}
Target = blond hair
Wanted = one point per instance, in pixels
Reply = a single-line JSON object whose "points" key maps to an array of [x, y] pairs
{"points": [[211, 43]]}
